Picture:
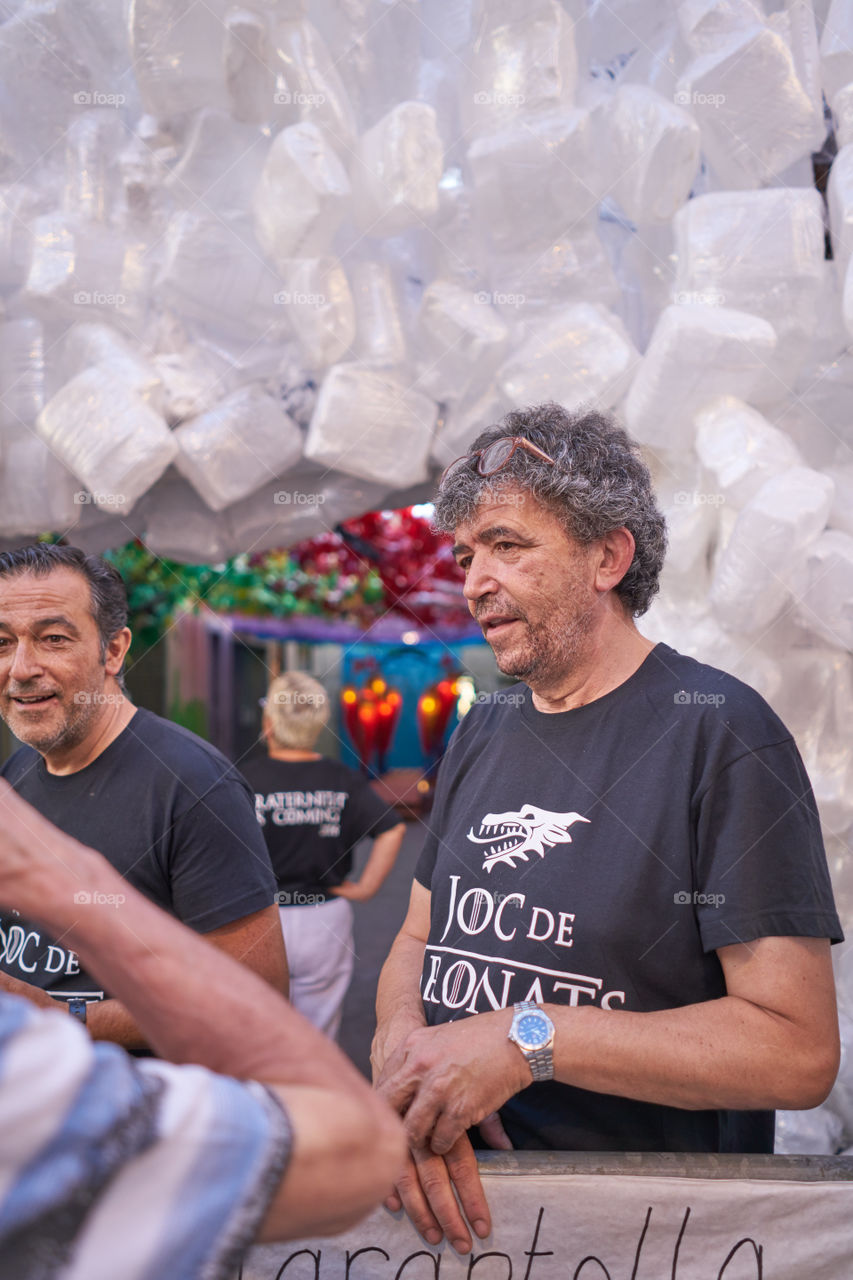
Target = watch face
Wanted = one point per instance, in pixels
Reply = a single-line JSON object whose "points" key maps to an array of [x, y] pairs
{"points": [[533, 1030]]}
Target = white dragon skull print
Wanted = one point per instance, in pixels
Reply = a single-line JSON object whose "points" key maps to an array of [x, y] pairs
{"points": [[516, 834]]}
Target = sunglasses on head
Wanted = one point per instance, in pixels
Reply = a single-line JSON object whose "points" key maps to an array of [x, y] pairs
{"points": [[494, 457]]}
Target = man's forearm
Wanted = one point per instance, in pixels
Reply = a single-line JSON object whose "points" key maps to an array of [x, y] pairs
{"points": [[771, 1041], [35, 995], [399, 1008], [111, 1020], [105, 1019], [254, 941], [230, 1019], [381, 859], [775, 1047], [724, 1053]]}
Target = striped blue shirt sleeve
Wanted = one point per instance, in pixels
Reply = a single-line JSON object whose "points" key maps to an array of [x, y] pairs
{"points": [[111, 1166]]}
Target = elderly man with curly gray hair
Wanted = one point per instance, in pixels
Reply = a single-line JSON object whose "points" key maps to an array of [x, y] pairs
{"points": [[623, 878]]}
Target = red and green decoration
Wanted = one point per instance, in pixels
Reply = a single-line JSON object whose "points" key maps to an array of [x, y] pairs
{"points": [[420, 578], [388, 562]]}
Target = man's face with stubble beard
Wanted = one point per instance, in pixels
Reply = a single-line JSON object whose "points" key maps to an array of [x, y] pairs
{"points": [[529, 585], [52, 675]]}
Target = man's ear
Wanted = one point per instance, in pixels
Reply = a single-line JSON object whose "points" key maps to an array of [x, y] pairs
{"points": [[616, 552], [117, 651]]}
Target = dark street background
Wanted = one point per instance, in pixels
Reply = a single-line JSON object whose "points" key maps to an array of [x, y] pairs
{"points": [[376, 925]]}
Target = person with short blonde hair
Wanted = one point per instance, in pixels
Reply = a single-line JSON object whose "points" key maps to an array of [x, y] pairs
{"points": [[313, 812], [297, 710]]}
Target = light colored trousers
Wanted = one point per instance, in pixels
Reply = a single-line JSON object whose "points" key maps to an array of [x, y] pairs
{"points": [[320, 957]]}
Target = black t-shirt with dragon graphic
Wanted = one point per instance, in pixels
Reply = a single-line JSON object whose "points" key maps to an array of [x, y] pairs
{"points": [[601, 856]]}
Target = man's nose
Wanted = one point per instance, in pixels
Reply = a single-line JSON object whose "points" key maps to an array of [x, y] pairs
{"points": [[480, 579], [25, 662]]}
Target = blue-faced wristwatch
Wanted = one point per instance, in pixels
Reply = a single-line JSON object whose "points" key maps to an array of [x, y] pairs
{"points": [[533, 1031], [77, 1008]]}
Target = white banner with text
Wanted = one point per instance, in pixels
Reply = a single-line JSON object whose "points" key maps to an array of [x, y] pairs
{"points": [[593, 1227]]}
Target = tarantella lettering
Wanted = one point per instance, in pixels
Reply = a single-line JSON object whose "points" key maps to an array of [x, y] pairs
{"points": [[758, 1254], [369, 1248], [533, 1252], [590, 1258], [421, 1253], [301, 1253], [581, 1271], [481, 1257], [374, 1258]]}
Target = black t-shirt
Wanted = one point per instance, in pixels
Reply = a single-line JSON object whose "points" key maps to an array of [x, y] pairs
{"points": [[600, 856], [173, 817], [313, 813]]}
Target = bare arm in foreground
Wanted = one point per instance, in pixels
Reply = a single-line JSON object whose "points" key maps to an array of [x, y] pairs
{"points": [[194, 1004]]}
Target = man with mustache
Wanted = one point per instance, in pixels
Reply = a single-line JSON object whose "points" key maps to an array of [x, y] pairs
{"points": [[624, 877], [253, 1126], [166, 809]]}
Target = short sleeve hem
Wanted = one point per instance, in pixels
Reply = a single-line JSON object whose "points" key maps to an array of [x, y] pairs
{"points": [[235, 910], [802, 924]]}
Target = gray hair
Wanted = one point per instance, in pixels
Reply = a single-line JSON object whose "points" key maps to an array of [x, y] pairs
{"points": [[600, 483], [297, 710]]}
